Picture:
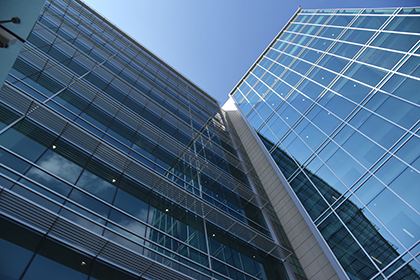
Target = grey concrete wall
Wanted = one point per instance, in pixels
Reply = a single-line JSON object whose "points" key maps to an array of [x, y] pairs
{"points": [[317, 262]]}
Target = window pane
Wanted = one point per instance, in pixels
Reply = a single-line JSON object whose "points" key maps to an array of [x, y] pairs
{"points": [[102, 271], [17, 248], [60, 166], [26, 139], [55, 261]]}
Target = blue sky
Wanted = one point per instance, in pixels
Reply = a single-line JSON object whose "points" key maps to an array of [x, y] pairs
{"points": [[213, 42]]}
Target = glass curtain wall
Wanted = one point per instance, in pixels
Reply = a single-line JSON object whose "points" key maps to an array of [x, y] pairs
{"points": [[114, 166], [335, 100]]}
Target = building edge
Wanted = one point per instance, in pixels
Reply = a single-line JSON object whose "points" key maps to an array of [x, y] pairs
{"points": [[146, 50], [316, 258], [265, 50]]}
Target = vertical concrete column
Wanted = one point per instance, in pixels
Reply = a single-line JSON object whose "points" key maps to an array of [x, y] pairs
{"points": [[318, 263]]}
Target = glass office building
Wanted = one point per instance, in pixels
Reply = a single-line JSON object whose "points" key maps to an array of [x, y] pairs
{"points": [[115, 166], [335, 101]]}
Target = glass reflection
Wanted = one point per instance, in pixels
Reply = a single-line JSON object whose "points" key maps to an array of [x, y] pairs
{"points": [[367, 234]]}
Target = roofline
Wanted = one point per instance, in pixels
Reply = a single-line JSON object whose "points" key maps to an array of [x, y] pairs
{"points": [[364, 7], [269, 46], [128, 37], [287, 24]]}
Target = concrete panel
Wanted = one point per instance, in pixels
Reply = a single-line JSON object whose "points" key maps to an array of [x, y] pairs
{"points": [[318, 263]]}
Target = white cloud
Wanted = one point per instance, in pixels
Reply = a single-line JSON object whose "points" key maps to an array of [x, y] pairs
{"points": [[59, 166], [94, 184], [37, 173]]}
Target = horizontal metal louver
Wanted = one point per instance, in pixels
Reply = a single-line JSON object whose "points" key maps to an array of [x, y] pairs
{"points": [[90, 93], [50, 120], [22, 209], [77, 235], [61, 229], [19, 102]]}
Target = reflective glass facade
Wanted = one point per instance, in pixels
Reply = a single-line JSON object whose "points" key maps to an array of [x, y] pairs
{"points": [[115, 166], [335, 100]]}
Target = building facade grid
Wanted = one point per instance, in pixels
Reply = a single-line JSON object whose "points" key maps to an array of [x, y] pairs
{"points": [[114, 166], [334, 100]]}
